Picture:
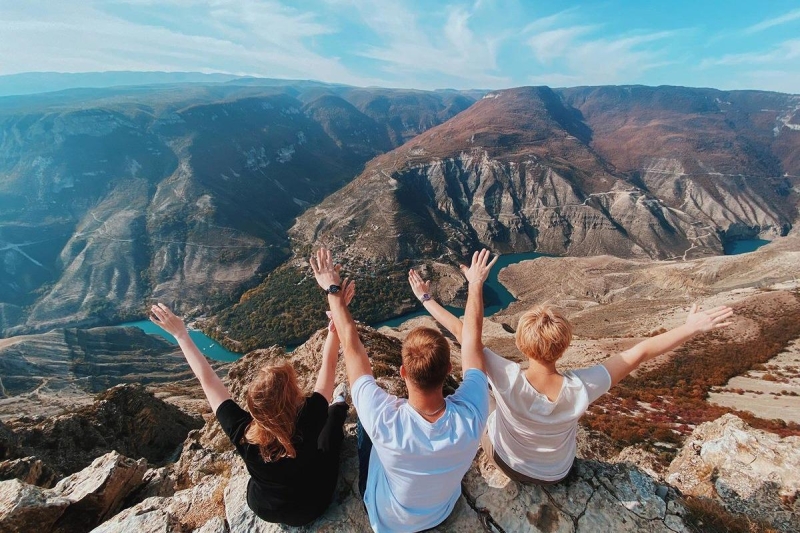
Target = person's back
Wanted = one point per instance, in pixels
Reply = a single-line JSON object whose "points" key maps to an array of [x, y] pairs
{"points": [[410, 478], [416, 466], [531, 435]]}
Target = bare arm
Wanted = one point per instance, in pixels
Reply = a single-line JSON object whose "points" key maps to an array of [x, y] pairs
{"points": [[355, 355], [622, 364], [471, 342], [330, 353], [444, 317], [215, 391]]}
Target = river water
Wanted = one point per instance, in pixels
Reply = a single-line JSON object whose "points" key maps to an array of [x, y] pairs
{"points": [[496, 298]]}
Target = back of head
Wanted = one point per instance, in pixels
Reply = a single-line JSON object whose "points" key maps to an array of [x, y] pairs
{"points": [[426, 358], [274, 399], [543, 334]]}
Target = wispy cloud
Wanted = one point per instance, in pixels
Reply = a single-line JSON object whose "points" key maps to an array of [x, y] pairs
{"points": [[586, 58], [784, 52], [775, 21], [255, 37], [453, 51]]}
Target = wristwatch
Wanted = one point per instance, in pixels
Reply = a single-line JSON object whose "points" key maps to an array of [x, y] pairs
{"points": [[333, 289], [425, 297]]}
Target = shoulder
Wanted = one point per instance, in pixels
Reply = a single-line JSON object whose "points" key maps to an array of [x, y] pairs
{"points": [[233, 419]]}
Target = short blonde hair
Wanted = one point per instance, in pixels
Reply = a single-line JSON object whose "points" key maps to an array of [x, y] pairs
{"points": [[543, 333]]}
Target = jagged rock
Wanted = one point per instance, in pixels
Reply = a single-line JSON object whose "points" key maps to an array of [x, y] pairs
{"points": [[156, 483], [125, 418], [77, 503], [28, 469], [595, 497], [215, 525], [149, 516], [186, 510], [96, 493], [8, 442], [750, 471], [23, 506]]}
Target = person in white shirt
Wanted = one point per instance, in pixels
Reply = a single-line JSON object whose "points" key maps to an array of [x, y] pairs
{"points": [[531, 436], [413, 453]]}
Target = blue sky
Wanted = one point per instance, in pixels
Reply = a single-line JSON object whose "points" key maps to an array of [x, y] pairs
{"points": [[421, 44]]}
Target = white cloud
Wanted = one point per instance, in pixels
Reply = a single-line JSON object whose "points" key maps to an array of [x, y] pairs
{"points": [[776, 21], [784, 52], [256, 37], [584, 59]]}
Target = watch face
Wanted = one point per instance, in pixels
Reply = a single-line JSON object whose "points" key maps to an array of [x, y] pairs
{"points": [[333, 289]]}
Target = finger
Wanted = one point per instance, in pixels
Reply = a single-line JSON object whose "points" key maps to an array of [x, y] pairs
{"points": [[722, 317], [321, 258], [328, 258], [493, 261], [475, 256], [484, 257], [154, 320], [720, 312], [723, 325], [464, 269], [337, 267], [313, 262], [693, 309], [329, 315]]}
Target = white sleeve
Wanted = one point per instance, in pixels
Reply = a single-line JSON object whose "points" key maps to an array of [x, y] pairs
{"points": [[596, 379], [499, 370], [370, 401]]}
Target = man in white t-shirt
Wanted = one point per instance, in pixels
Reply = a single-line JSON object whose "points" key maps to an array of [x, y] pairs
{"points": [[413, 453], [531, 436]]}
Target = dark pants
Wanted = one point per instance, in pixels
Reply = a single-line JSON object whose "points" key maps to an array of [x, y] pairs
{"points": [[364, 451], [332, 434]]}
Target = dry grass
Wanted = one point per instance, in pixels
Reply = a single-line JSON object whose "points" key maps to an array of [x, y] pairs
{"points": [[709, 516]]}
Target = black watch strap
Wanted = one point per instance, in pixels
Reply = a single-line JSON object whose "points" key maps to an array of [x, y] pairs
{"points": [[333, 289]]}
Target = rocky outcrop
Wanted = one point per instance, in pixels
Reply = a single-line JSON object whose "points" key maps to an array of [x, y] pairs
{"points": [[77, 503], [28, 469], [126, 418], [750, 472]]}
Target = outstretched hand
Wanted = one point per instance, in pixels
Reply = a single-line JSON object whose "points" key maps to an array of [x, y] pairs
{"points": [[418, 286], [349, 289], [479, 270], [162, 317], [702, 321], [325, 271]]}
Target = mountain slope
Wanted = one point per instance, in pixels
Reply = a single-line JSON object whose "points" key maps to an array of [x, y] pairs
{"points": [[525, 169], [181, 193]]}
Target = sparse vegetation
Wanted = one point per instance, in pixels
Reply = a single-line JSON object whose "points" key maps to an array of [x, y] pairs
{"points": [[289, 305], [709, 516], [678, 389]]}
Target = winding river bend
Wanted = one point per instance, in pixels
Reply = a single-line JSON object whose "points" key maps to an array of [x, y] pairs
{"points": [[496, 298]]}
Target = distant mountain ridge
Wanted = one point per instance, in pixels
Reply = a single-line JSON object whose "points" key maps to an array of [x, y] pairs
{"points": [[183, 193], [633, 171]]}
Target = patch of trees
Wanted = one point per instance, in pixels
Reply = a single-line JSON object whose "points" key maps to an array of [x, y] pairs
{"points": [[289, 305]]}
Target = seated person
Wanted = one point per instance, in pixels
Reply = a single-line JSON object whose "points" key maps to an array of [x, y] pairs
{"points": [[290, 442], [531, 436], [413, 453]]}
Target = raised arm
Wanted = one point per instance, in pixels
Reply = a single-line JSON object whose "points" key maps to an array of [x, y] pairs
{"points": [[622, 364], [444, 317], [355, 356], [471, 343], [215, 391], [330, 352]]}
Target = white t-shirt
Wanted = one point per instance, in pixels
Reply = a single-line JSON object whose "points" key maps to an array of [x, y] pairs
{"points": [[531, 434], [416, 466]]}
